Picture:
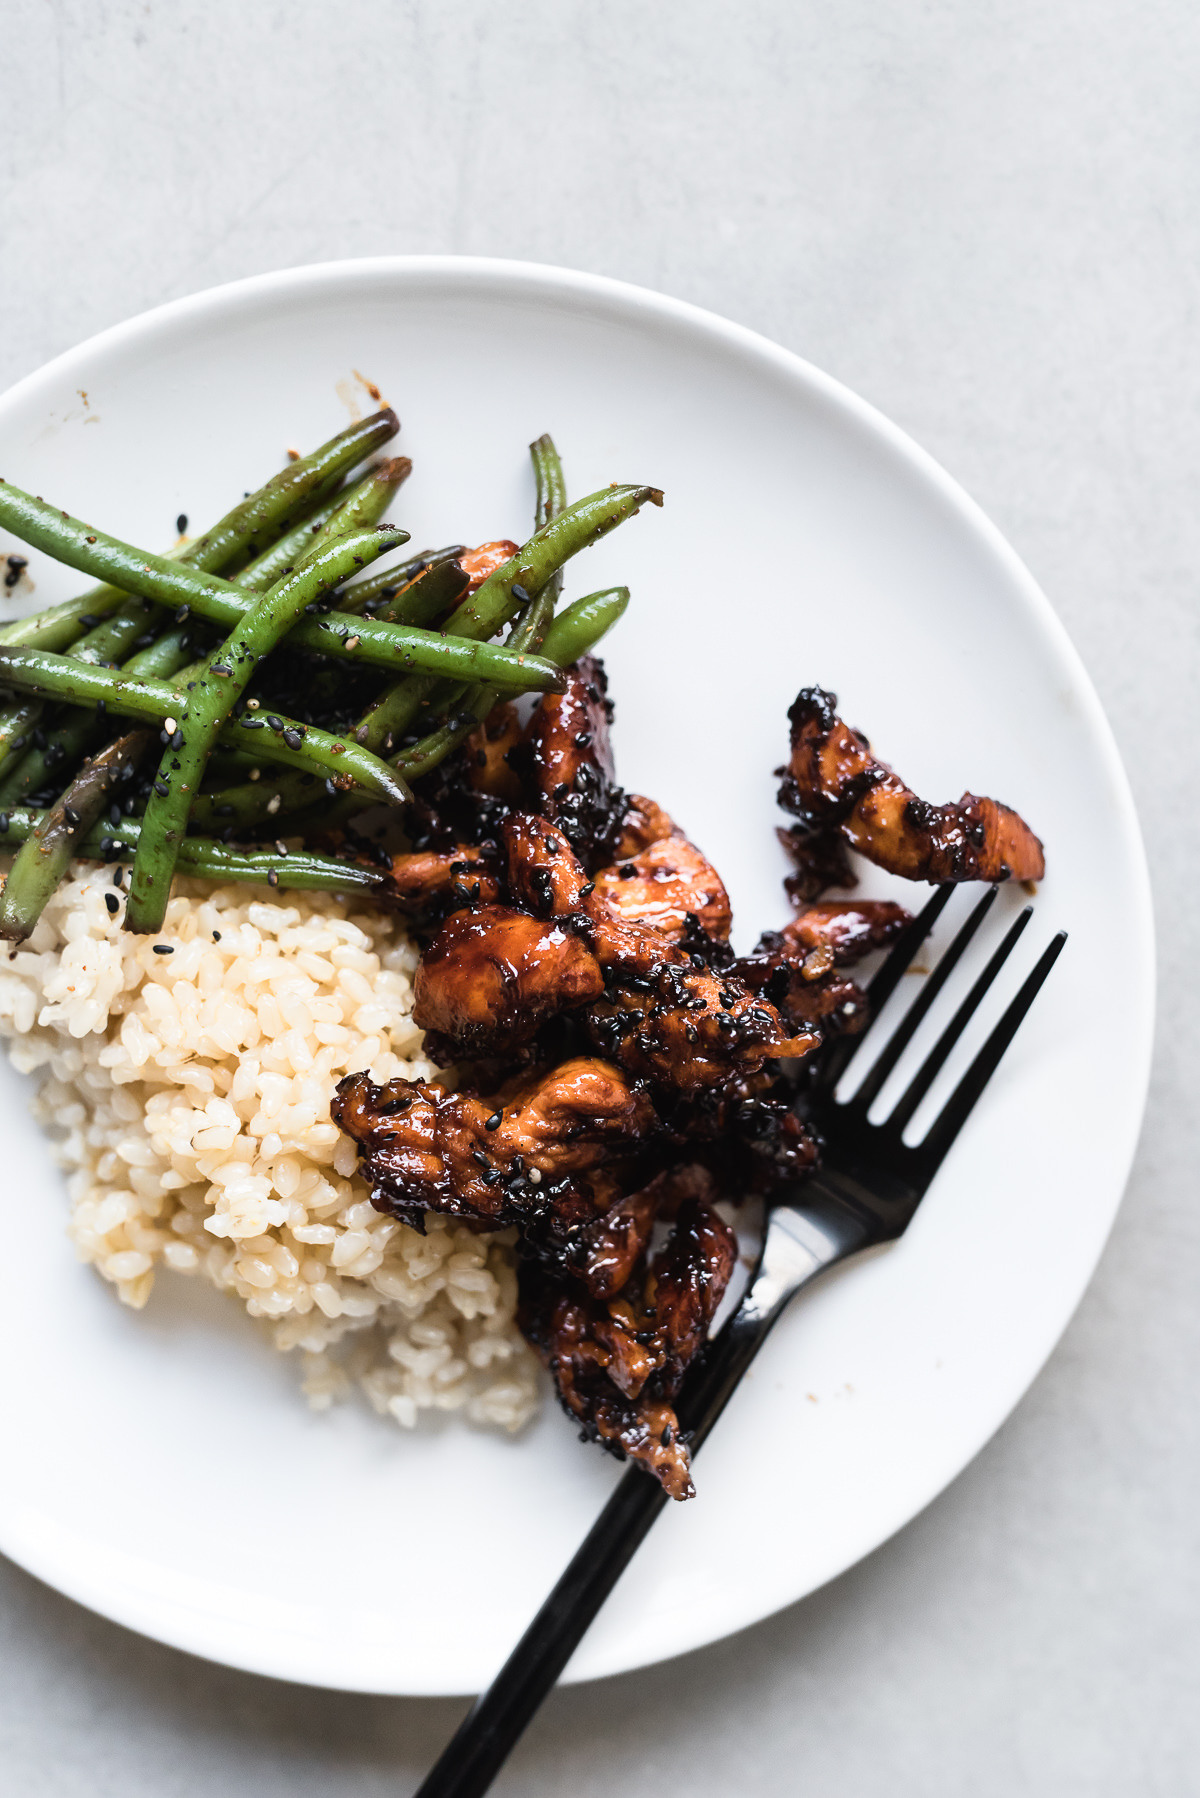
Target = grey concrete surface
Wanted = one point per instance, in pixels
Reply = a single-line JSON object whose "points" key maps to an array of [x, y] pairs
{"points": [[985, 218]]}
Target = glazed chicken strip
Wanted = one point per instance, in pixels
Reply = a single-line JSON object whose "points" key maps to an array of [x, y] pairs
{"points": [[540, 1153], [645, 822], [846, 929], [832, 781], [431, 884], [798, 967], [566, 758], [617, 1365], [664, 884], [491, 978]]}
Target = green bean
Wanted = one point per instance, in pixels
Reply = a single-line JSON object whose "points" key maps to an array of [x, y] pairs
{"points": [[580, 627], [429, 598], [202, 858], [364, 504], [527, 633], [494, 604], [75, 731], [551, 499], [581, 525], [551, 483], [60, 626], [16, 722], [171, 583], [250, 801], [265, 513], [267, 510], [138, 693], [287, 550], [161, 660], [385, 583], [113, 639], [43, 858], [228, 671]]}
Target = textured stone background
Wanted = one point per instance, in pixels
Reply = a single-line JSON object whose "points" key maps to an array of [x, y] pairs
{"points": [[986, 219]]}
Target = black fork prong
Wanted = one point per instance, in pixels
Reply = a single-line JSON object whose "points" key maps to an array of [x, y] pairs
{"points": [[911, 1022], [933, 1150], [837, 1055], [935, 1061]]}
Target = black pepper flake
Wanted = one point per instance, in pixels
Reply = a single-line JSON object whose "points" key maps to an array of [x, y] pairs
{"points": [[113, 904], [164, 949]]}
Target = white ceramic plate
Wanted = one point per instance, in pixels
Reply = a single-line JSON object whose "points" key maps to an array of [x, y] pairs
{"points": [[162, 1467]]}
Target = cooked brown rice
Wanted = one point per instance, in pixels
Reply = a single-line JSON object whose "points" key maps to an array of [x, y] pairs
{"points": [[190, 1094]]}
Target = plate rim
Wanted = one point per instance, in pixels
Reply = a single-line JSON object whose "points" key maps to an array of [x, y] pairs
{"points": [[569, 287]]}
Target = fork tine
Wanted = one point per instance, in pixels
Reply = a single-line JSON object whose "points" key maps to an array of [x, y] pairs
{"points": [[961, 1102], [837, 1055], [869, 1091], [934, 1062]]}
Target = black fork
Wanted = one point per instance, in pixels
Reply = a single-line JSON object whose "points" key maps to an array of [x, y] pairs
{"points": [[865, 1192]]}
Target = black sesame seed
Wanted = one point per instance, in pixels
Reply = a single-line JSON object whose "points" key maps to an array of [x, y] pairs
{"points": [[216, 936], [177, 740], [181, 523], [272, 878], [113, 904], [161, 788], [164, 949], [249, 723], [293, 739], [275, 723], [493, 1123], [70, 814], [3, 824]]}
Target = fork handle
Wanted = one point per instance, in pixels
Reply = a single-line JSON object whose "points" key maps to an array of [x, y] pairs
{"points": [[498, 1718]]}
